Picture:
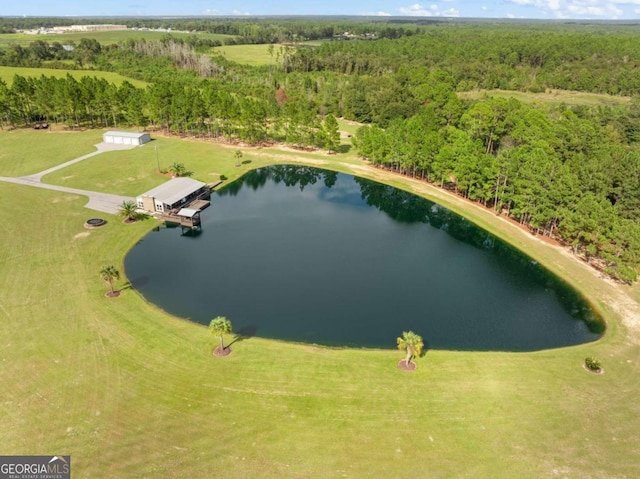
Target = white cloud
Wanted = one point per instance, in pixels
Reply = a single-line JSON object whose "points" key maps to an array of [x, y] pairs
{"points": [[606, 10], [484, 7], [383, 14], [577, 8], [211, 11], [417, 10], [238, 12]]}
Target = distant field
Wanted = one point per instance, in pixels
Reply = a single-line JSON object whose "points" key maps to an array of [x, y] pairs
{"points": [[255, 55], [552, 97], [104, 38], [7, 74]]}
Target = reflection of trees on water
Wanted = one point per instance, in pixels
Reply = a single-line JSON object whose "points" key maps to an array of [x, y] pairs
{"points": [[406, 207], [409, 208], [290, 175]]}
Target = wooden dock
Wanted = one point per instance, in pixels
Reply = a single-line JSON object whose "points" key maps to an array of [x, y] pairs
{"points": [[185, 222], [188, 215]]}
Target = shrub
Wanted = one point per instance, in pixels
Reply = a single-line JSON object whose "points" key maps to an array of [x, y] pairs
{"points": [[223, 177], [592, 364]]}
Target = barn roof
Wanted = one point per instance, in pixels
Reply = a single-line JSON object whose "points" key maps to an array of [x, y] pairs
{"points": [[174, 190], [125, 134]]}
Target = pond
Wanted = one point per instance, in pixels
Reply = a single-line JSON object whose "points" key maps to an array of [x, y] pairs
{"points": [[303, 254]]}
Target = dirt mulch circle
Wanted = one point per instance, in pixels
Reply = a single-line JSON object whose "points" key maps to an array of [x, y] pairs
{"points": [[592, 371], [112, 294], [218, 351], [402, 364]]}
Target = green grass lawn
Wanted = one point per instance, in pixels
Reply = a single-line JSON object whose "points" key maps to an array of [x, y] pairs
{"points": [[25, 152], [348, 126], [7, 74], [130, 391], [131, 172], [255, 55], [552, 97]]}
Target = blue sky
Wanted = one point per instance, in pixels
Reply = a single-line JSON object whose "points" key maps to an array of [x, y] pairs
{"points": [[543, 9]]}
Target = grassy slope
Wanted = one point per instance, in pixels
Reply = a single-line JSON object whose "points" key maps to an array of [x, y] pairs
{"points": [[130, 391], [7, 74], [248, 54], [552, 97]]}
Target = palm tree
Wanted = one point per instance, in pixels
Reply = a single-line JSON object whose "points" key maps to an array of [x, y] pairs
{"points": [[220, 326], [109, 274], [178, 169], [238, 157], [412, 343], [129, 211]]}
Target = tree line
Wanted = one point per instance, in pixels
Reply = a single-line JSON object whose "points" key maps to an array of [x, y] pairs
{"points": [[240, 30], [205, 111], [567, 172], [523, 57], [559, 174]]}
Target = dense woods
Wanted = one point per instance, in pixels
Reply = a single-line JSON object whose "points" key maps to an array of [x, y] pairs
{"points": [[572, 173]]}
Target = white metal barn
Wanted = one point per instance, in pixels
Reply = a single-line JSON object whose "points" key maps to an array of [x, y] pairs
{"points": [[126, 138]]}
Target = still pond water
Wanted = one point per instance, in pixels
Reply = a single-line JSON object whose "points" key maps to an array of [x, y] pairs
{"points": [[303, 254]]}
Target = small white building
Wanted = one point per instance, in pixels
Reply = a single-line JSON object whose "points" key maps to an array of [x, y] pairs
{"points": [[172, 195], [126, 138]]}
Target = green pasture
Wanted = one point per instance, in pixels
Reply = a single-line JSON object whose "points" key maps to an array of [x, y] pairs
{"points": [[25, 152], [130, 391], [552, 97], [7, 74], [105, 38], [137, 169], [255, 55], [131, 172], [348, 126]]}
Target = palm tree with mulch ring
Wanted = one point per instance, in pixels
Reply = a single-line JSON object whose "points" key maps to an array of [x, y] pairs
{"points": [[178, 170], [238, 157], [129, 211], [109, 274], [412, 344], [220, 326]]}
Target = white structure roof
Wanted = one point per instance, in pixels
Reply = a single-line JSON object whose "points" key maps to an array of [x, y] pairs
{"points": [[125, 134], [174, 190], [188, 212]]}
